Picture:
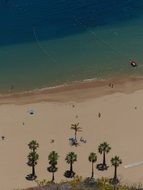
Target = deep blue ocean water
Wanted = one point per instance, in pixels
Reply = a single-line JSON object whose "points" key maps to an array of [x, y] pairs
{"points": [[51, 42]]}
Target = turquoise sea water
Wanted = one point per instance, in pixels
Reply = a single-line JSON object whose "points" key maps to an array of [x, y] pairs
{"points": [[43, 46]]}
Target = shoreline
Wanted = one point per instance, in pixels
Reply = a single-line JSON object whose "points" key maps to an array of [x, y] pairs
{"points": [[76, 91]]}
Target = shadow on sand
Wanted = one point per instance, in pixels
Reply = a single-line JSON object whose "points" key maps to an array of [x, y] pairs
{"points": [[31, 177]]}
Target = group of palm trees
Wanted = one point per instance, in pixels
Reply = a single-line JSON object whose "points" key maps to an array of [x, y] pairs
{"points": [[70, 158], [103, 149]]}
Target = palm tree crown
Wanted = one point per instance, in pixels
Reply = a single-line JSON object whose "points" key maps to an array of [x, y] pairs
{"points": [[53, 157], [75, 127], [32, 158], [104, 147], [92, 157], [71, 157], [33, 145], [116, 161]]}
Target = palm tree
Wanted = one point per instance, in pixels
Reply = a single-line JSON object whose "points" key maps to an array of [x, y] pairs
{"points": [[53, 158], [76, 129], [103, 148], [32, 161], [70, 159], [32, 158], [115, 161], [92, 158]]}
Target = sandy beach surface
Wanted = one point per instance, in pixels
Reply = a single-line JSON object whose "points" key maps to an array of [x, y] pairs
{"points": [[120, 124]]}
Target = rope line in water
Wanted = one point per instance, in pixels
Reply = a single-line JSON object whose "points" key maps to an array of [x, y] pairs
{"points": [[139, 66], [114, 50], [100, 39], [41, 47], [105, 42]]}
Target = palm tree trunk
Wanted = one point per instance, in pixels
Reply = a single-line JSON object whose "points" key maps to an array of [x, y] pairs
{"points": [[115, 173], [92, 174], [71, 167], [53, 177], [75, 135], [104, 159], [33, 170]]}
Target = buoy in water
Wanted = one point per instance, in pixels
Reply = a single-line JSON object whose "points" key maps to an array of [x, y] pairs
{"points": [[133, 64]]}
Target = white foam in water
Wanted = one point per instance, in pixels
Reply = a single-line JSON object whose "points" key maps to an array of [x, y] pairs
{"points": [[89, 80]]}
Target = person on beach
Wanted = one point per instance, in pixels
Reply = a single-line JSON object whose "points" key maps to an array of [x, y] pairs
{"points": [[52, 141], [3, 137], [11, 88], [99, 114], [111, 85], [82, 140]]}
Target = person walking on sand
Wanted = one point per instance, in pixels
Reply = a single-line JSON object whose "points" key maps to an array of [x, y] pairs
{"points": [[3, 137]]}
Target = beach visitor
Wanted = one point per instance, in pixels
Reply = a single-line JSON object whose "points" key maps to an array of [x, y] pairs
{"points": [[3, 137]]}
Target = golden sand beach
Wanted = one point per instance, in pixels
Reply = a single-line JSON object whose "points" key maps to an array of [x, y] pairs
{"points": [[120, 124]]}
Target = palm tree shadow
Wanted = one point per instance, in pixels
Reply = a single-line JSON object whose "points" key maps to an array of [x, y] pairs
{"points": [[30, 177], [76, 144], [73, 142], [69, 174], [102, 167], [114, 181], [90, 182]]}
